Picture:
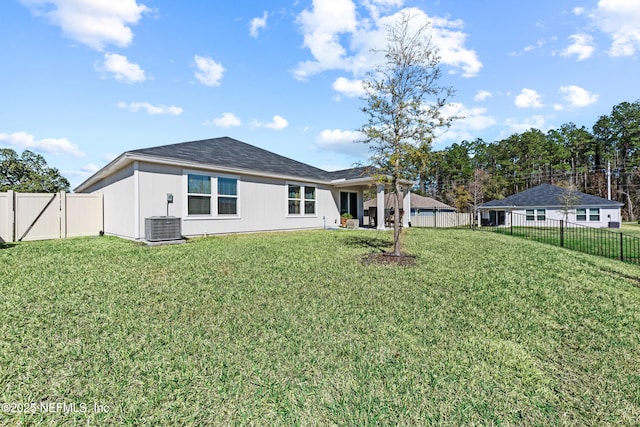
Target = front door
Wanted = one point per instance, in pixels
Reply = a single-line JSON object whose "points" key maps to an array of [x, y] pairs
{"points": [[497, 218]]}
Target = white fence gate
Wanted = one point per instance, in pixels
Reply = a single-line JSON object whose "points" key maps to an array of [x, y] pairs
{"points": [[41, 216]]}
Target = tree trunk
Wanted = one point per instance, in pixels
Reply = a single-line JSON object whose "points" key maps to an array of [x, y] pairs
{"points": [[396, 220]]}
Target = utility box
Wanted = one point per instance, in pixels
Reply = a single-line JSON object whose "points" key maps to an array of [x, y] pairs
{"points": [[161, 228]]}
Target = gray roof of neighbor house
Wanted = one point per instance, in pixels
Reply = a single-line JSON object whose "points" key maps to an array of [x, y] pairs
{"points": [[547, 195], [229, 154], [417, 202]]}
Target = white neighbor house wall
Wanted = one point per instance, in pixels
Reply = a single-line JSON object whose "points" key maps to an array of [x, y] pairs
{"points": [[607, 214]]}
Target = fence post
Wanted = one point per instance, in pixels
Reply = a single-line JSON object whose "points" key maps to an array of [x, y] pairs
{"points": [[435, 222], [562, 233], [511, 221], [621, 247], [62, 214]]}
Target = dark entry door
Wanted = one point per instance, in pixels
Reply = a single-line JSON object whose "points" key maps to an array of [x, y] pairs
{"points": [[349, 203]]}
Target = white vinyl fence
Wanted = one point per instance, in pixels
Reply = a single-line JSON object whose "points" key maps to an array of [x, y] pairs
{"points": [[442, 220], [41, 216]]}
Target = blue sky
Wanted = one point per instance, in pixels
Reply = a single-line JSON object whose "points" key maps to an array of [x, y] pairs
{"points": [[82, 81]]}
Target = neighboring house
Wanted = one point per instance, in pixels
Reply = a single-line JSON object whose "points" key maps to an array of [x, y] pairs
{"points": [[545, 202], [420, 206], [222, 185]]}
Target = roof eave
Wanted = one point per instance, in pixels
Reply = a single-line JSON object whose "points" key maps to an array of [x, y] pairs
{"points": [[126, 158]]}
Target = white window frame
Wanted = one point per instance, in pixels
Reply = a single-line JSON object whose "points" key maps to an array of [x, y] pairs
{"points": [[302, 200], [214, 195], [588, 212]]}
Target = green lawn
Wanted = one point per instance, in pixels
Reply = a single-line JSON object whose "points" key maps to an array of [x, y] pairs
{"points": [[631, 228], [292, 328], [620, 245]]}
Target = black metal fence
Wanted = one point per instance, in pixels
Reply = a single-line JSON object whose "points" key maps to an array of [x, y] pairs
{"points": [[594, 241]]}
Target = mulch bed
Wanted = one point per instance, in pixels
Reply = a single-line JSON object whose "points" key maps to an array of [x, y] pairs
{"points": [[386, 258]]}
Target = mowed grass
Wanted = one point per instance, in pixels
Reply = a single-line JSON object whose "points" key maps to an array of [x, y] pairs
{"points": [[293, 329]]}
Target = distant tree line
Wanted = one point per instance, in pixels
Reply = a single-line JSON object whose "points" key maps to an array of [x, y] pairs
{"points": [[469, 173], [29, 173]]}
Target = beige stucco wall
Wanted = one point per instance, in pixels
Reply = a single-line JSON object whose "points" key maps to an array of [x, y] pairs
{"points": [[118, 191], [262, 203]]}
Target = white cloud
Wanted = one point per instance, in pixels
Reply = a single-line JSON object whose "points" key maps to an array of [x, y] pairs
{"points": [[89, 168], [519, 126], [121, 68], [482, 95], [342, 141], [321, 28], [134, 107], [338, 40], [257, 24], [278, 123], [528, 98], [472, 120], [226, 121], [578, 11], [349, 88], [209, 71], [25, 141], [582, 47], [94, 23], [620, 19], [577, 96]]}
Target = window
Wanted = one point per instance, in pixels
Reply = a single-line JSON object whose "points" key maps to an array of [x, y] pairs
{"points": [[227, 196], [294, 199], [542, 215], [199, 195], [301, 199], [581, 214], [594, 214], [309, 200], [531, 214], [201, 201]]}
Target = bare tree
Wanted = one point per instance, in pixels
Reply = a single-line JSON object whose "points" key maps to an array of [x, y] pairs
{"points": [[404, 105], [569, 199]]}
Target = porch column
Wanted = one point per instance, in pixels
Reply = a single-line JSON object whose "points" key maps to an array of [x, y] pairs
{"points": [[406, 206], [380, 207]]}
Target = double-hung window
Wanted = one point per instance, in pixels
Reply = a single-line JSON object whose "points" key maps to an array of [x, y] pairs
{"points": [[594, 214], [536, 215], [198, 194], [227, 196], [301, 199], [581, 214], [202, 201]]}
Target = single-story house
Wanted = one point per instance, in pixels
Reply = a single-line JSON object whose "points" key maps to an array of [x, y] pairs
{"points": [[222, 185], [546, 202]]}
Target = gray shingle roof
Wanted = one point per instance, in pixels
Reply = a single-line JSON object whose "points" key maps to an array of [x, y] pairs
{"points": [[417, 202], [229, 152], [547, 195]]}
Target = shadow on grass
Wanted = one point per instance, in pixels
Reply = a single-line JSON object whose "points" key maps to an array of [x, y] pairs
{"points": [[4, 245], [369, 242]]}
